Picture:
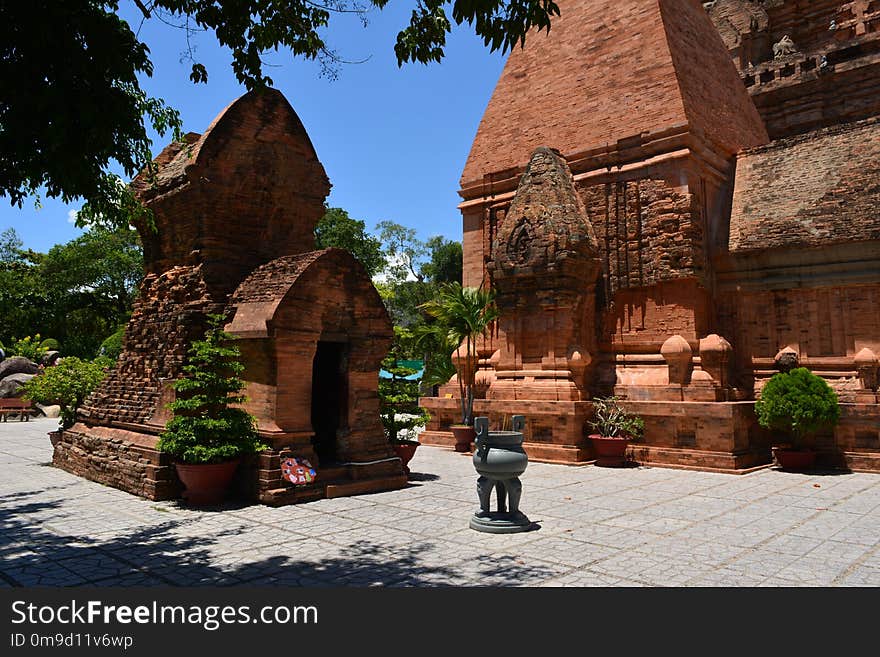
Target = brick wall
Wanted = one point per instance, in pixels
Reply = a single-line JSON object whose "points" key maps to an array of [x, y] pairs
{"points": [[168, 314], [648, 232], [610, 71], [810, 190]]}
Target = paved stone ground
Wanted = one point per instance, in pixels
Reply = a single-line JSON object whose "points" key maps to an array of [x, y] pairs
{"points": [[598, 527]]}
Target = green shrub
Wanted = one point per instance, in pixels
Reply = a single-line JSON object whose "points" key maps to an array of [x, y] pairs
{"points": [[67, 384], [798, 403], [28, 347], [111, 347], [610, 420], [104, 362], [206, 427]]}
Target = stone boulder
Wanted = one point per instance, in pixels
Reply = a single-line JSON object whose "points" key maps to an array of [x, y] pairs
{"points": [[53, 410], [17, 365], [10, 386]]}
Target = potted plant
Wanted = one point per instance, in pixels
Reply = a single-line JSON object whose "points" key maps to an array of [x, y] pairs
{"points": [[399, 399], [208, 432], [465, 313], [614, 429], [66, 384], [798, 403]]}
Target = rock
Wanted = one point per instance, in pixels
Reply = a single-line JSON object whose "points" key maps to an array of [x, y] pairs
{"points": [[50, 411], [49, 358], [10, 386], [17, 365]]}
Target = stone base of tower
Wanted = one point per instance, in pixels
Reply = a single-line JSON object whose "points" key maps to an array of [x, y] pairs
{"points": [[127, 459], [554, 429], [714, 436]]}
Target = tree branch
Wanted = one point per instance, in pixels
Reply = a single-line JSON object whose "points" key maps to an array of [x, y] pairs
{"points": [[143, 8]]}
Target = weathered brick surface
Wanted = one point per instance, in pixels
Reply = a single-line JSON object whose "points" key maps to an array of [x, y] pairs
{"points": [[611, 71], [254, 161], [544, 268], [834, 75], [810, 190], [281, 311], [168, 314], [648, 233], [119, 458]]}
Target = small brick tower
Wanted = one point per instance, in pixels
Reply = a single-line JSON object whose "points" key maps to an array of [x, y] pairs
{"points": [[234, 211]]}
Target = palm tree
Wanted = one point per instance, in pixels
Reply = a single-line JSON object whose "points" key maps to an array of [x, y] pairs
{"points": [[465, 313]]}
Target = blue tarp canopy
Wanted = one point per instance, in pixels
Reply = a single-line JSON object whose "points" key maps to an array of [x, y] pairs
{"points": [[417, 365]]}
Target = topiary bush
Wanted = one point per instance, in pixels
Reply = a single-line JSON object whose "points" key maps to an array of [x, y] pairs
{"points": [[50, 344], [798, 403], [206, 426], [67, 384], [111, 347]]}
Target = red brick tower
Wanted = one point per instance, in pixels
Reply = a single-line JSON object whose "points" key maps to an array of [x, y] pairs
{"points": [[642, 101]]}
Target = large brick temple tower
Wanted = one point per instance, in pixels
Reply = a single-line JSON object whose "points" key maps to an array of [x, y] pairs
{"points": [[706, 247]]}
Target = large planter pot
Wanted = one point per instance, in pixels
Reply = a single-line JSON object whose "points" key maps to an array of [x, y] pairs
{"points": [[405, 452], [55, 437], [499, 459], [795, 460], [206, 483], [464, 437], [610, 452]]}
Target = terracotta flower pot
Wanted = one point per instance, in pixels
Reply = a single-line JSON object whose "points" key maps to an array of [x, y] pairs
{"points": [[464, 437], [795, 460], [206, 483], [610, 452], [405, 452], [54, 437]]}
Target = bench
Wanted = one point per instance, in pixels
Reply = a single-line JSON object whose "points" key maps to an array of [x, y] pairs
{"points": [[20, 407]]}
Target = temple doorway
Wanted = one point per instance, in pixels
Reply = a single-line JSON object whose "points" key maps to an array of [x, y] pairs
{"points": [[329, 398]]}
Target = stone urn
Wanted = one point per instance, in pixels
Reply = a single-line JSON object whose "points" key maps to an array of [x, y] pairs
{"points": [[499, 459]]}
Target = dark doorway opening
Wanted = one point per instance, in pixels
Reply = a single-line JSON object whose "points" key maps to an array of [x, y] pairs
{"points": [[329, 398]]}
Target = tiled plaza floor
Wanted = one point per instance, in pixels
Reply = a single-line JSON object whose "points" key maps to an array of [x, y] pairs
{"points": [[598, 527]]}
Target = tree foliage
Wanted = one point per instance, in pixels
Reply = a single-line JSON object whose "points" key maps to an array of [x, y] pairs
{"points": [[338, 229], [79, 293], [444, 264], [72, 103], [465, 314], [207, 425]]}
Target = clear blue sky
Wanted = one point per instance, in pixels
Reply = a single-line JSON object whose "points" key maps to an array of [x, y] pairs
{"points": [[392, 140]]}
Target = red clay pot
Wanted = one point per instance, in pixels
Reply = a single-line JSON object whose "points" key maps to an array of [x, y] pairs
{"points": [[795, 460], [464, 437], [206, 483], [610, 452], [405, 452]]}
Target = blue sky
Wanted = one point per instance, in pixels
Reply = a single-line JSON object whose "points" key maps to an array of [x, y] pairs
{"points": [[392, 140]]}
